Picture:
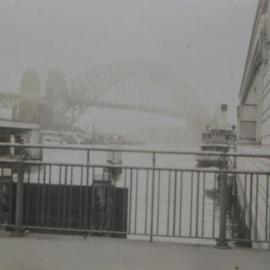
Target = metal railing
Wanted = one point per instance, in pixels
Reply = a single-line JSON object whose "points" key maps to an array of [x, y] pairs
{"points": [[151, 201]]}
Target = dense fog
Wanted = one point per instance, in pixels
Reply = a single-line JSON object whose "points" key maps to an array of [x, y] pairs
{"points": [[203, 42]]}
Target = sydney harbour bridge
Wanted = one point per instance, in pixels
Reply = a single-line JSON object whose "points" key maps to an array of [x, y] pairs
{"points": [[110, 86]]}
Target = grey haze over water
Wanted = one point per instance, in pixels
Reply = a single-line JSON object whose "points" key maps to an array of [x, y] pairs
{"points": [[204, 41]]}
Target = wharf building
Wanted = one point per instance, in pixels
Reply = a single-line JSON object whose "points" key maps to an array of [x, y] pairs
{"points": [[254, 130], [254, 107]]}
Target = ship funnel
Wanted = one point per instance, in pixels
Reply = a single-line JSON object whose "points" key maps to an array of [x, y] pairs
{"points": [[223, 115]]}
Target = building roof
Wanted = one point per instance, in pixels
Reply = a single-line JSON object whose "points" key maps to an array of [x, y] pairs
{"points": [[261, 10], [6, 123]]}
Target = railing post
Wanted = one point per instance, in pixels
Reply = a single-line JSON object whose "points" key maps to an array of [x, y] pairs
{"points": [[87, 156], [86, 195], [222, 240], [19, 201], [152, 196]]}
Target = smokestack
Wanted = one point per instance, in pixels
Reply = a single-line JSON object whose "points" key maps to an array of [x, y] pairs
{"points": [[223, 115]]}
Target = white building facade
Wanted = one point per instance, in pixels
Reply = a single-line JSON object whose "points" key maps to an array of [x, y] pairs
{"points": [[254, 107]]}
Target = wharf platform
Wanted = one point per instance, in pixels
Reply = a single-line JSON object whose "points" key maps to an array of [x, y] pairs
{"points": [[50, 252]]}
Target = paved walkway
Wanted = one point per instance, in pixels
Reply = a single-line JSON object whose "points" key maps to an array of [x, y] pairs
{"points": [[40, 252]]}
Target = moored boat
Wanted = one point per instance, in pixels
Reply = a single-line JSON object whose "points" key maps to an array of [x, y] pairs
{"points": [[217, 139]]}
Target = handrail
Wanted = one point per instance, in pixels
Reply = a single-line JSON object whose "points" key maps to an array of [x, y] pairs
{"points": [[137, 150], [132, 167]]}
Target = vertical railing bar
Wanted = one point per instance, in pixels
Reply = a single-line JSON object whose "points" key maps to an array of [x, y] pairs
{"points": [[113, 192], [13, 195], [38, 198], [88, 156], [136, 202], [9, 220], [232, 203], [245, 201], [222, 241], [158, 202], [130, 200], [251, 199], [214, 209], [19, 199], [48, 196], [43, 199], [92, 201], [103, 174], [197, 203], [86, 194], [80, 200], [28, 196], [256, 208], [169, 203], [105, 193], [203, 205], [146, 204], [125, 178], [59, 196], [86, 218], [180, 203], [64, 213], [70, 198], [191, 205], [266, 207], [174, 201], [126, 194], [152, 197]]}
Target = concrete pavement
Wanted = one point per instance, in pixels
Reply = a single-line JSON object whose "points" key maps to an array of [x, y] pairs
{"points": [[40, 252]]}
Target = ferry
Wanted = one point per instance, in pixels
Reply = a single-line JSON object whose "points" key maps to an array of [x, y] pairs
{"points": [[208, 160], [218, 139]]}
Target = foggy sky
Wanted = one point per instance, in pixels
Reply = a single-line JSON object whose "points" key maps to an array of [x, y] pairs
{"points": [[204, 41]]}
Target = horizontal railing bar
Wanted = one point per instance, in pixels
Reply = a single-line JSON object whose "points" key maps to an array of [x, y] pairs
{"points": [[129, 150], [58, 229], [249, 240], [84, 231], [178, 169]]}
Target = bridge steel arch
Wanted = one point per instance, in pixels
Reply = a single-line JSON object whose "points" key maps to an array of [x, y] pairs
{"points": [[87, 88]]}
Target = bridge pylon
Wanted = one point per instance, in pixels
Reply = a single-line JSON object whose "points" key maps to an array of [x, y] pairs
{"points": [[29, 104], [56, 97]]}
